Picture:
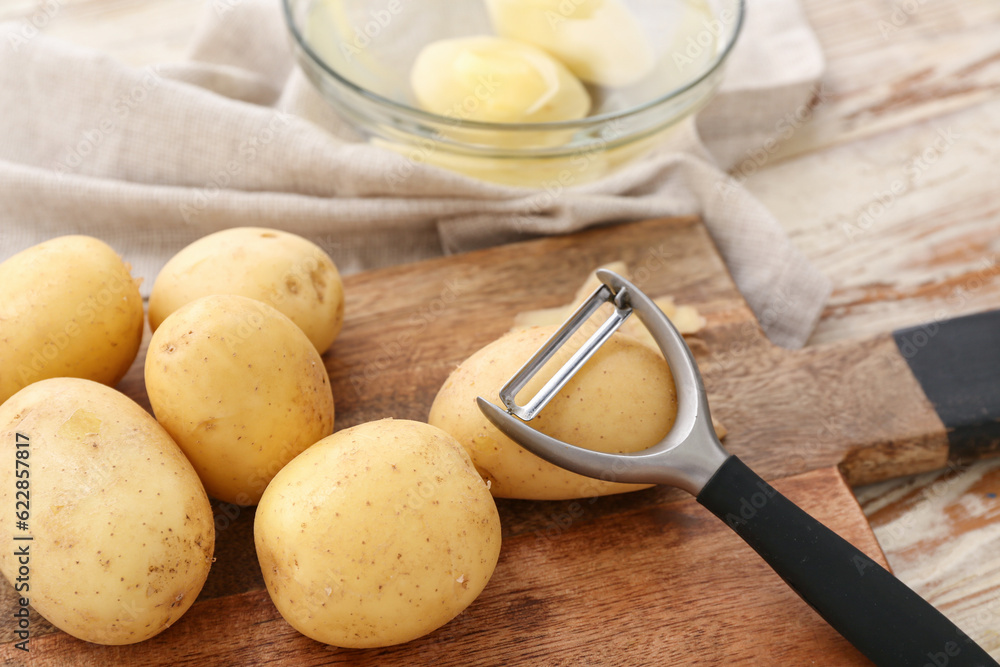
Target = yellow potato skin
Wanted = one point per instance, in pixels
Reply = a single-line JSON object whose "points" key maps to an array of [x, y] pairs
{"points": [[69, 307], [122, 530], [240, 388], [376, 535], [283, 270], [622, 400]]}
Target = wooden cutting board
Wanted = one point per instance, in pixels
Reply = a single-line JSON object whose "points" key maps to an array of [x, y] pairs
{"points": [[643, 578], [664, 585]]}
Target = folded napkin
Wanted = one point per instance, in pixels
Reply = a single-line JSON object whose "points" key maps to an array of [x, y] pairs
{"points": [[151, 159]]}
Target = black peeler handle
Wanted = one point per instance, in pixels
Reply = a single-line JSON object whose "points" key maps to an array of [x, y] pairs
{"points": [[870, 607]]}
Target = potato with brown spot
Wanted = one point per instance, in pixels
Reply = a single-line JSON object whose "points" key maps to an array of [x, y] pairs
{"points": [[377, 535], [283, 270], [240, 388], [123, 533], [622, 400], [69, 307]]}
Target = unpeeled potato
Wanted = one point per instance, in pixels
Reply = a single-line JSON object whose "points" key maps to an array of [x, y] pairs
{"points": [[285, 271], [622, 400], [122, 532], [376, 535], [69, 307], [240, 388]]}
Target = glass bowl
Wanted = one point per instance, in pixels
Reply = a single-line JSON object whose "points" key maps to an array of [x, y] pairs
{"points": [[358, 54]]}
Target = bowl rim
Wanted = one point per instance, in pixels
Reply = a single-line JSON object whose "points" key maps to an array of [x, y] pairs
{"points": [[581, 123]]}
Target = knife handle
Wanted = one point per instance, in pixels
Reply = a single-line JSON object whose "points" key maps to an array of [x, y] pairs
{"points": [[872, 609]]}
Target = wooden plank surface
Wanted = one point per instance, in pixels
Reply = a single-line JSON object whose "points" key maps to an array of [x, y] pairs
{"points": [[407, 327], [661, 585], [915, 106], [943, 529]]}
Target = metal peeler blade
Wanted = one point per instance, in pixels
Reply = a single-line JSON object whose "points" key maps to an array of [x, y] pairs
{"points": [[880, 615], [686, 458]]}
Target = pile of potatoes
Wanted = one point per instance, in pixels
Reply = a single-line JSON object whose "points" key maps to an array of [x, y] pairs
{"points": [[350, 526]]}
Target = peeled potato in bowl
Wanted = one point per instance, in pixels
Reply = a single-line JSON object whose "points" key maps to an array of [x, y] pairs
{"points": [[496, 80], [600, 41]]}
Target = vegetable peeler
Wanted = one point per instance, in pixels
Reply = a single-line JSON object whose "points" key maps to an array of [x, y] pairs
{"points": [[871, 608]]}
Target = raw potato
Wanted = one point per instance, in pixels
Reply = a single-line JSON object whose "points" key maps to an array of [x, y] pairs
{"points": [[281, 269], [600, 41], [622, 400], [240, 388], [377, 535], [496, 80], [69, 307], [122, 530]]}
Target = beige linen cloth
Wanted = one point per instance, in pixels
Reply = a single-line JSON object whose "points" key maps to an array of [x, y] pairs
{"points": [[151, 159]]}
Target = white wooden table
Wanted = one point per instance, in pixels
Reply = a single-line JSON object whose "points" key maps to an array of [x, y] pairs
{"points": [[901, 76]]}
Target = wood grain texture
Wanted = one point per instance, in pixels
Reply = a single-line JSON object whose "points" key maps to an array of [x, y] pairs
{"points": [[407, 327], [916, 107], [663, 585], [943, 529]]}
